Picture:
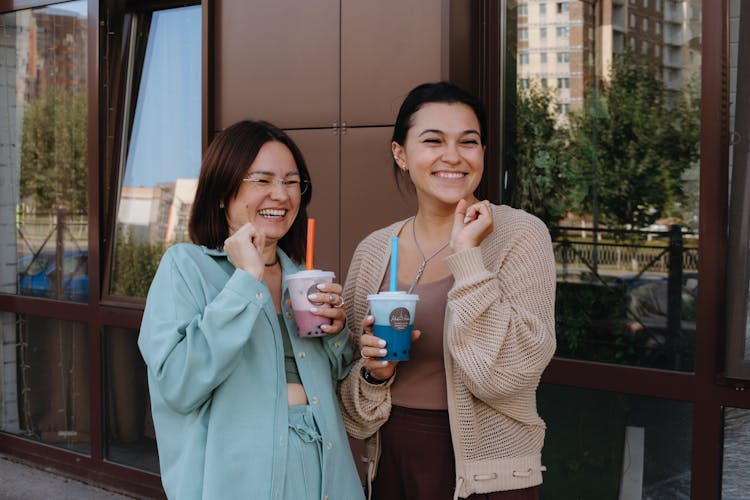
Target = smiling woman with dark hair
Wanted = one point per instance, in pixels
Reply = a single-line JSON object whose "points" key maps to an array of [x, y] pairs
{"points": [[458, 419], [242, 406]]}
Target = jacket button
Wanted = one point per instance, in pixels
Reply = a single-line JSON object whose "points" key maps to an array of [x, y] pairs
{"points": [[314, 400], [329, 445], [259, 295], [301, 354], [337, 344], [288, 315]]}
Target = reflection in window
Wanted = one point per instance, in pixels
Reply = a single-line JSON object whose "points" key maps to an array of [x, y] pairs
{"points": [[623, 447], [163, 155], [738, 281], [44, 214], [735, 481], [45, 396], [618, 189], [131, 439]]}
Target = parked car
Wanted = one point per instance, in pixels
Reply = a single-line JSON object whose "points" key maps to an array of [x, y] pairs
{"points": [[37, 275], [624, 320]]}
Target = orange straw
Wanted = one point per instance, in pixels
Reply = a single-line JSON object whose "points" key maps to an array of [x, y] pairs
{"points": [[310, 243]]}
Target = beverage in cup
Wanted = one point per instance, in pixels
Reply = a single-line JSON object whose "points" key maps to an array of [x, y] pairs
{"points": [[301, 284], [394, 321]]}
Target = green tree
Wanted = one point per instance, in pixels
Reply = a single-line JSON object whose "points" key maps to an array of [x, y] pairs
{"points": [[539, 176], [639, 138], [53, 151], [135, 265]]}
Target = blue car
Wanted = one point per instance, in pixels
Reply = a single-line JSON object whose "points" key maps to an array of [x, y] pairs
{"points": [[37, 275]]}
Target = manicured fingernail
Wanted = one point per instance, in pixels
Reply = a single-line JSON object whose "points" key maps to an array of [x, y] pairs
{"points": [[381, 342], [383, 352], [320, 286], [371, 318], [313, 309], [466, 219], [383, 363], [312, 296]]}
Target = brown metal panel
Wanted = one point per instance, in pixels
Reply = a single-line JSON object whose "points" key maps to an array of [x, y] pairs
{"points": [[387, 48], [320, 148], [276, 60], [369, 197]]}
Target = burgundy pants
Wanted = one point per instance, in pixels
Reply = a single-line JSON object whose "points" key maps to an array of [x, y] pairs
{"points": [[417, 460]]}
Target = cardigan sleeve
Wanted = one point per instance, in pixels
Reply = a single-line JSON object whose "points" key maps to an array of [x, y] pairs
{"points": [[364, 406], [191, 346], [501, 320]]}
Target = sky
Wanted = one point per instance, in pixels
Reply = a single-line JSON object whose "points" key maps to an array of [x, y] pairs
{"points": [[166, 141]]}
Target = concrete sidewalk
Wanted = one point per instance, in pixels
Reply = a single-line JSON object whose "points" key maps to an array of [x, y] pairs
{"points": [[22, 481]]}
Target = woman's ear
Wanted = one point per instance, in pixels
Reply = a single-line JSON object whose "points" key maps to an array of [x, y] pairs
{"points": [[398, 154]]}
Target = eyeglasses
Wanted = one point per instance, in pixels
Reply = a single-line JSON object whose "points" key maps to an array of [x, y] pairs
{"points": [[265, 184]]}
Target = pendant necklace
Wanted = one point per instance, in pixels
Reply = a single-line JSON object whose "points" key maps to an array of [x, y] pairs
{"points": [[425, 260]]}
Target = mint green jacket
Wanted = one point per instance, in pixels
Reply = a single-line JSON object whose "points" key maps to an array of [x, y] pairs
{"points": [[211, 342]]}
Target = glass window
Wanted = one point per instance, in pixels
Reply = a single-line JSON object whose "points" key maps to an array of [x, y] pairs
{"points": [[523, 11], [562, 32], [542, 9], [657, 28], [657, 5], [543, 57], [738, 280], [43, 102], [633, 21], [562, 7], [160, 173], [542, 33], [645, 24], [523, 84], [523, 58], [619, 192], [523, 34], [543, 82], [131, 439], [608, 445], [45, 394], [735, 482]]}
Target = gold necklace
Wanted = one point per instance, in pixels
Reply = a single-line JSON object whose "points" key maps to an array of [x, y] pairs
{"points": [[425, 260]]}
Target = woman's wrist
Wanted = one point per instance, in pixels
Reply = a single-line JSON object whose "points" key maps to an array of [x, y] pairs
{"points": [[370, 379]]}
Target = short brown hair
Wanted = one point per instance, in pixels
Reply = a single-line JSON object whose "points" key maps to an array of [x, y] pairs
{"points": [[224, 166]]}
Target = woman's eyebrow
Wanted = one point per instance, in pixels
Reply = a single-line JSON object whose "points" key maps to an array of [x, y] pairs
{"points": [[436, 131]]}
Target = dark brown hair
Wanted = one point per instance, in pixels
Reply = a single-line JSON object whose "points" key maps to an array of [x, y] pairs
{"points": [[224, 166]]}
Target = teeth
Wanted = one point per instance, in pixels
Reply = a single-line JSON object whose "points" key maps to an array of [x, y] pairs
{"points": [[450, 175], [270, 212]]}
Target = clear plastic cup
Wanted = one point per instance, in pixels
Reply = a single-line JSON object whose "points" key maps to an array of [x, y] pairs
{"points": [[301, 284], [394, 322]]}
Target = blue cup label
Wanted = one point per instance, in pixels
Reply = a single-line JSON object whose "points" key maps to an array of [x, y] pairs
{"points": [[399, 319]]}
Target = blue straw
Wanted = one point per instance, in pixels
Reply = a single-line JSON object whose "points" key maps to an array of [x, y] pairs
{"points": [[394, 263]]}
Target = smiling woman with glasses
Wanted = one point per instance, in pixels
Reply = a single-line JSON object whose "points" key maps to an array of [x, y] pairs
{"points": [[229, 377]]}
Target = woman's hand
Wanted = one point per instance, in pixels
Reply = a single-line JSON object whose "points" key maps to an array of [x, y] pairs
{"points": [[331, 306], [471, 224], [244, 248], [372, 348]]}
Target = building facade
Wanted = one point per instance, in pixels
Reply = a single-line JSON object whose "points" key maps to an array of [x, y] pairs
{"points": [[622, 124]]}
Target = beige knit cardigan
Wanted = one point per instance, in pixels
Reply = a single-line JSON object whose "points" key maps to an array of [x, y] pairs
{"points": [[499, 335]]}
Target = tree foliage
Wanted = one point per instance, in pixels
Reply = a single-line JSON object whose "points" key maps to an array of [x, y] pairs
{"points": [[631, 144], [53, 151], [539, 178]]}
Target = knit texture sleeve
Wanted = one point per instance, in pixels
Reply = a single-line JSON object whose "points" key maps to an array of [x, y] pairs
{"points": [[365, 407], [500, 331]]}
